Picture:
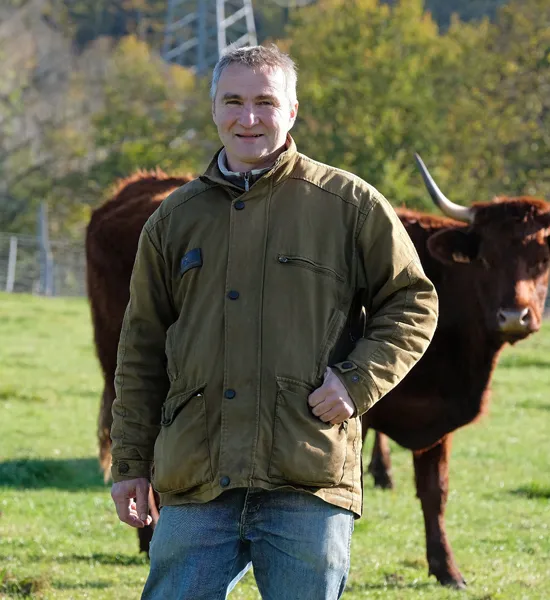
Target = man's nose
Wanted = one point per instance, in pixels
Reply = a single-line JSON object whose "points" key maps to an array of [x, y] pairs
{"points": [[247, 118]]}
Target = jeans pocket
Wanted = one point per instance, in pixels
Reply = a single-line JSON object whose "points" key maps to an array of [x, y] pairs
{"points": [[182, 453], [305, 450]]}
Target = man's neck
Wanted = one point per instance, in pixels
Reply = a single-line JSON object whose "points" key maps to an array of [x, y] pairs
{"points": [[229, 168], [239, 167], [248, 174], [243, 179]]}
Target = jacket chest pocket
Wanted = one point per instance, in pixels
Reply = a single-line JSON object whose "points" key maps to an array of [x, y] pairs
{"points": [[293, 260], [182, 454], [305, 450]]}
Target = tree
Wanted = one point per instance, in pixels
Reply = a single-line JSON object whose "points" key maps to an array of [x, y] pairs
{"points": [[377, 83], [37, 106], [86, 20], [71, 125], [467, 10], [154, 114], [518, 90]]}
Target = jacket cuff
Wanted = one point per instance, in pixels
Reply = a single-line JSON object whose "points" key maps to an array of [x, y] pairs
{"points": [[360, 386], [125, 469]]}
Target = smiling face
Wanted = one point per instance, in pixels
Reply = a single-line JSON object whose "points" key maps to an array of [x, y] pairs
{"points": [[253, 114]]}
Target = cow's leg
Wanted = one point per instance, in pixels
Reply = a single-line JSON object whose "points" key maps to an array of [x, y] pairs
{"points": [[104, 437], [431, 469], [380, 462], [145, 534]]}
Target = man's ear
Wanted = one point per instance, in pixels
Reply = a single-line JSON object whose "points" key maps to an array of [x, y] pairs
{"points": [[452, 246], [293, 113]]}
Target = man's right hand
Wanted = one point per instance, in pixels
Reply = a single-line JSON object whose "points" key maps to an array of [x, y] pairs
{"points": [[131, 499]]}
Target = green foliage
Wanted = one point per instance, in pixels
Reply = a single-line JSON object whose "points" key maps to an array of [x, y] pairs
{"points": [[154, 115], [517, 89], [87, 20], [378, 81], [467, 10], [139, 113], [375, 86]]}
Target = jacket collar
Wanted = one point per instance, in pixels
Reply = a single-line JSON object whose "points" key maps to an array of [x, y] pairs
{"points": [[279, 171], [238, 177]]}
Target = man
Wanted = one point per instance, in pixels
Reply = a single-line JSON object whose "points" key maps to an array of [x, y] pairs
{"points": [[244, 367]]}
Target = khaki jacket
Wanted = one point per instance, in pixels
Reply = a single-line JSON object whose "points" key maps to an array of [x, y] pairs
{"points": [[238, 303]]}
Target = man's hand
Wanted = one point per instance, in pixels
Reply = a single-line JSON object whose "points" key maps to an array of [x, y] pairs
{"points": [[132, 501], [331, 402]]}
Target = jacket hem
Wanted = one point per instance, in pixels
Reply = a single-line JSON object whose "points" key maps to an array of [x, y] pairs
{"points": [[336, 496]]}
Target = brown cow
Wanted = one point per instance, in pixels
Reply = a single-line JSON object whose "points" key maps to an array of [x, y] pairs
{"points": [[490, 268], [111, 243], [484, 263]]}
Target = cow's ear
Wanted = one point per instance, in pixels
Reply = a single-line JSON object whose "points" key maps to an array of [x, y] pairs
{"points": [[454, 246]]}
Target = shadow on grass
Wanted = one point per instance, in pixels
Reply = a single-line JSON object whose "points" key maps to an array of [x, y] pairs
{"points": [[392, 582], [512, 362], [93, 585], [64, 474], [102, 558], [12, 394], [533, 491], [25, 587], [530, 404]]}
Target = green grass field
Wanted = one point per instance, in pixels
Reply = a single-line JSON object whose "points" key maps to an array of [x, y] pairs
{"points": [[59, 536]]}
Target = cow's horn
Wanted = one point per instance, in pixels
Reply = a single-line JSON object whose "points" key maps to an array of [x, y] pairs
{"points": [[455, 211]]}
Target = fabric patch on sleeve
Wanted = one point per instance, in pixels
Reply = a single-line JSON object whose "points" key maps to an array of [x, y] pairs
{"points": [[191, 260]]}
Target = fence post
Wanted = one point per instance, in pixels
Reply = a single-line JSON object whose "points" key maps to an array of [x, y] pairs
{"points": [[12, 261], [46, 260]]}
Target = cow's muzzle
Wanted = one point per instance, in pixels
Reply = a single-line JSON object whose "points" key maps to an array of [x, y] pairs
{"points": [[515, 324]]}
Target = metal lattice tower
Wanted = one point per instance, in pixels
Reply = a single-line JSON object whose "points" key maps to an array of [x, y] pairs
{"points": [[198, 32]]}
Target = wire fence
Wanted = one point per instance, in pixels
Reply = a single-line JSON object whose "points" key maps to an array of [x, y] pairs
{"points": [[59, 269], [29, 266]]}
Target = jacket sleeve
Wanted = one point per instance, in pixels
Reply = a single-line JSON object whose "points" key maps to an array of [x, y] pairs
{"points": [[141, 380], [401, 305]]}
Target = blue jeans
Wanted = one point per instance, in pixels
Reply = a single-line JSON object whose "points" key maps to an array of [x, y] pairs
{"points": [[298, 545]]}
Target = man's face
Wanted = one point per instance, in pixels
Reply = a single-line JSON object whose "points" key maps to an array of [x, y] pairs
{"points": [[253, 115]]}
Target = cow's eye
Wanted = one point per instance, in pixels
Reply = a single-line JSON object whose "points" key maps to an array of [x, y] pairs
{"points": [[539, 268], [486, 264]]}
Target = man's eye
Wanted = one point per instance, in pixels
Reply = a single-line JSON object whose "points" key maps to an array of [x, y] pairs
{"points": [[232, 102], [265, 103]]}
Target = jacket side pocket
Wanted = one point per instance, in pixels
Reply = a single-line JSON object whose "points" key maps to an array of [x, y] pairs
{"points": [[182, 453], [305, 450]]}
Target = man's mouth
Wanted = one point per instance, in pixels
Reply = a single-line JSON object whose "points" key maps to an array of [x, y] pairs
{"points": [[248, 135]]}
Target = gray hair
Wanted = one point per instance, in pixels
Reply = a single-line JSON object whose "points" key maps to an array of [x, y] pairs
{"points": [[258, 57]]}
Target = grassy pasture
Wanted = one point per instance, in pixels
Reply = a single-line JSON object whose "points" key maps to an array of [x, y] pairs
{"points": [[59, 536]]}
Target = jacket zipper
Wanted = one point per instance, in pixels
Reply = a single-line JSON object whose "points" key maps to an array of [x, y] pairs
{"points": [[309, 264], [247, 181]]}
